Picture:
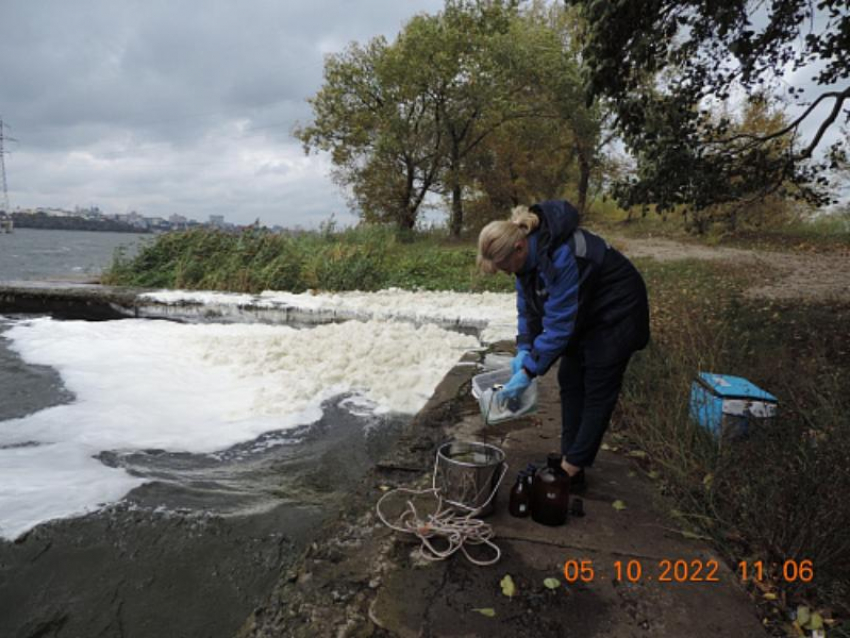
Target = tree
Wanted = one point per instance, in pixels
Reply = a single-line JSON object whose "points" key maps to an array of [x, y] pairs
{"points": [[708, 52], [465, 59], [557, 139], [378, 131], [400, 120], [417, 115]]}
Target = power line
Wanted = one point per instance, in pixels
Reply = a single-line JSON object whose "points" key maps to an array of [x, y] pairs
{"points": [[3, 151]]}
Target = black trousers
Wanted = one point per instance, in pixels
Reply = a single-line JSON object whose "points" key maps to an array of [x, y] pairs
{"points": [[588, 397]]}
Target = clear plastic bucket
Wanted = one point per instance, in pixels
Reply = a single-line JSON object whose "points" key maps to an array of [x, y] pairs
{"points": [[485, 388]]}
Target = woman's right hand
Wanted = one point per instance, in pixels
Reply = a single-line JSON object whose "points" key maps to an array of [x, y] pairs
{"points": [[517, 361]]}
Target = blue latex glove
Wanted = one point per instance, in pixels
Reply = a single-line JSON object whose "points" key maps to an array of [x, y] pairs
{"points": [[516, 362], [515, 387]]}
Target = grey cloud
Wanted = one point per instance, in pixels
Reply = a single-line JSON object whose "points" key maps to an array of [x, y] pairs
{"points": [[168, 107]]}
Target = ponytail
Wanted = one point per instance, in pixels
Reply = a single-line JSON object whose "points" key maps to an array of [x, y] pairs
{"points": [[525, 219]]}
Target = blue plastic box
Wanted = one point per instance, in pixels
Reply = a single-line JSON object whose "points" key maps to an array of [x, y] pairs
{"points": [[728, 406]]}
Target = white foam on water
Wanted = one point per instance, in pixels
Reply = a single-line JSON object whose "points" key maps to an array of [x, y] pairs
{"points": [[55, 480], [493, 313], [142, 384]]}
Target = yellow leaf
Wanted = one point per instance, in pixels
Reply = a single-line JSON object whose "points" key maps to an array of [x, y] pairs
{"points": [[618, 505], [552, 583], [804, 615], [770, 596], [816, 622], [707, 480], [486, 611], [384, 488], [693, 535], [508, 587], [638, 454]]}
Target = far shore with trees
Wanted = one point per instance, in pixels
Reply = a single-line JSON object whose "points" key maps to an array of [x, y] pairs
{"points": [[70, 222]]}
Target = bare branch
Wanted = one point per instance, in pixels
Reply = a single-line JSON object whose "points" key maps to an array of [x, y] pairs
{"points": [[836, 109], [758, 139]]}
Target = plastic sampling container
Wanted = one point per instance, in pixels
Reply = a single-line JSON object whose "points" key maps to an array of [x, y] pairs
{"points": [[485, 388]]}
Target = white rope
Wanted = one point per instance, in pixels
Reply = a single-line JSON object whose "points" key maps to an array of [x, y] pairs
{"points": [[456, 529]]}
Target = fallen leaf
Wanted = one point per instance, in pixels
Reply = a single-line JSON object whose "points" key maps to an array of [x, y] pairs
{"points": [[804, 615], [638, 454], [693, 535], [769, 596], [384, 488], [707, 480], [605, 446], [508, 587], [618, 505], [654, 475], [552, 583], [486, 611], [816, 622]]}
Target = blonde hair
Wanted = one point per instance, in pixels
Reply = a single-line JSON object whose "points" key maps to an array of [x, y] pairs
{"points": [[497, 239]]}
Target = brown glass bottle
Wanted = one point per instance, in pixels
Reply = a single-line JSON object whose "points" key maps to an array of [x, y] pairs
{"points": [[520, 501], [550, 494]]}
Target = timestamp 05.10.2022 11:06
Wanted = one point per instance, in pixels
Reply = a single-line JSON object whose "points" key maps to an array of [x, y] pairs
{"points": [[684, 571]]}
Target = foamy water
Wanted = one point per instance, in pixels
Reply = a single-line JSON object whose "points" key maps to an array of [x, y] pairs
{"points": [[493, 314], [143, 384]]}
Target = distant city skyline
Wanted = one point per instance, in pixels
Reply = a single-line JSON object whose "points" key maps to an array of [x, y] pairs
{"points": [[142, 222]]}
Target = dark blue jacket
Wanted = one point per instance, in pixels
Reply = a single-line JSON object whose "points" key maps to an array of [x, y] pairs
{"points": [[577, 295]]}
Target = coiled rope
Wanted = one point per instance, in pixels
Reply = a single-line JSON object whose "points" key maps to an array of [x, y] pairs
{"points": [[445, 523]]}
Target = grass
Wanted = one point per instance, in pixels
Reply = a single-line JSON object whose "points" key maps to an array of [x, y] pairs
{"points": [[782, 493]]}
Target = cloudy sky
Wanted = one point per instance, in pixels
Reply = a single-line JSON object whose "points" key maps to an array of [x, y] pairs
{"points": [[180, 107], [176, 107]]}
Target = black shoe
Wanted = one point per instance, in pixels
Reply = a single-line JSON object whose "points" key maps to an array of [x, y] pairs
{"points": [[576, 507], [578, 485]]}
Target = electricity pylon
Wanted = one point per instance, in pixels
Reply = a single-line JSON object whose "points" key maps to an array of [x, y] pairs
{"points": [[3, 151]]}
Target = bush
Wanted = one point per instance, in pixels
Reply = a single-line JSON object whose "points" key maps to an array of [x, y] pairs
{"points": [[363, 258]]}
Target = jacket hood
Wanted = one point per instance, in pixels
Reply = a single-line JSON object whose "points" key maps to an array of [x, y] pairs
{"points": [[558, 221]]}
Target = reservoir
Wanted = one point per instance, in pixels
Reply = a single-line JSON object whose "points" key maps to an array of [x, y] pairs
{"points": [[70, 255]]}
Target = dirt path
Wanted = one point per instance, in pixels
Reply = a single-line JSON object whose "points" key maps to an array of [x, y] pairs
{"points": [[782, 275]]}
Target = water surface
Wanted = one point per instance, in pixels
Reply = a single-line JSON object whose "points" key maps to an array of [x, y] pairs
{"points": [[67, 255]]}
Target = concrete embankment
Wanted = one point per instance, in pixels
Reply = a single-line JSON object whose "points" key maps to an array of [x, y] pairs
{"points": [[66, 300]]}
